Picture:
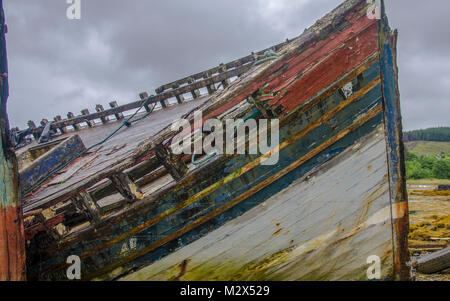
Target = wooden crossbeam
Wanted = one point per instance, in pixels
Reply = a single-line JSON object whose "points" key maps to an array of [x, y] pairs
{"points": [[173, 163], [86, 204], [126, 187]]}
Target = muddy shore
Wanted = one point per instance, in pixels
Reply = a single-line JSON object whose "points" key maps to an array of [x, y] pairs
{"points": [[429, 214]]}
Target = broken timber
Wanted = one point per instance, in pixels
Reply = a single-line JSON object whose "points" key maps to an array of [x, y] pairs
{"points": [[434, 262], [174, 164]]}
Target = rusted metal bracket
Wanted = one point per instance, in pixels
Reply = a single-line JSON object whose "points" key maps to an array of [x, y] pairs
{"points": [[174, 164], [127, 188]]}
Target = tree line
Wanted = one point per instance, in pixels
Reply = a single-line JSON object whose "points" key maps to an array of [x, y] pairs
{"points": [[427, 167], [431, 134]]}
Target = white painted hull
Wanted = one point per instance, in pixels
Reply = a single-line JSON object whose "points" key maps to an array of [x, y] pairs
{"points": [[322, 227]]}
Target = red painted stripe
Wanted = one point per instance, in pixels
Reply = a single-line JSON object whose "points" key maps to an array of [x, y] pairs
{"points": [[12, 245], [343, 60], [301, 62]]}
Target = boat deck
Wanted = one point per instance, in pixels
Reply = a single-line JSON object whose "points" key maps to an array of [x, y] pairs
{"points": [[135, 145], [118, 149]]}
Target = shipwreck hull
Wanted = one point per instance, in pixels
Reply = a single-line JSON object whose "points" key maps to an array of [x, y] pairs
{"points": [[306, 231], [335, 197]]}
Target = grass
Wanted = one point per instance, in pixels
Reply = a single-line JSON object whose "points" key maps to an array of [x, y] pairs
{"points": [[429, 182], [428, 148]]}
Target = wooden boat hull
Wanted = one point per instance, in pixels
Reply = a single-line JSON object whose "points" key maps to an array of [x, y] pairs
{"points": [[335, 197], [323, 226]]}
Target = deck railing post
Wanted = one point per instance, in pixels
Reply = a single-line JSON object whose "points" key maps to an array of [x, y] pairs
{"points": [[222, 69], [210, 87], [195, 92], [85, 112], [32, 126], [164, 103], [144, 96], [99, 108], [180, 98], [70, 115], [119, 115], [62, 129], [44, 122]]}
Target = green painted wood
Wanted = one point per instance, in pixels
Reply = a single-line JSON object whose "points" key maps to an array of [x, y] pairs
{"points": [[12, 241]]}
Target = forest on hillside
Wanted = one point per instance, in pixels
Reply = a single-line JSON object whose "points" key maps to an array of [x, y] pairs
{"points": [[431, 134], [428, 166]]}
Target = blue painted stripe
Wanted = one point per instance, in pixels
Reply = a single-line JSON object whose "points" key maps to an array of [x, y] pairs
{"points": [[229, 191], [257, 198]]}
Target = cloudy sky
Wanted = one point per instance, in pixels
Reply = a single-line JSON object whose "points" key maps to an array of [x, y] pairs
{"points": [[120, 48]]}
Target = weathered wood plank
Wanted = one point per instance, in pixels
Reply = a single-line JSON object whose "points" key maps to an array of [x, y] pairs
{"points": [[289, 235], [50, 161], [95, 173], [43, 226], [126, 187], [395, 149], [326, 25], [85, 200], [173, 164], [12, 242], [212, 177]]}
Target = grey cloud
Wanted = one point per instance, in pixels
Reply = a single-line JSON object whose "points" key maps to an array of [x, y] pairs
{"points": [[120, 48]]}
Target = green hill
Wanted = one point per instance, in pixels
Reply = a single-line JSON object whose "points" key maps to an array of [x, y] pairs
{"points": [[428, 148], [427, 154]]}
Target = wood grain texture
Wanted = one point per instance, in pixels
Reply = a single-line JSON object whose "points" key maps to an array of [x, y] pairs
{"points": [[12, 240], [395, 148], [327, 34], [157, 225], [322, 227], [315, 215], [125, 141]]}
